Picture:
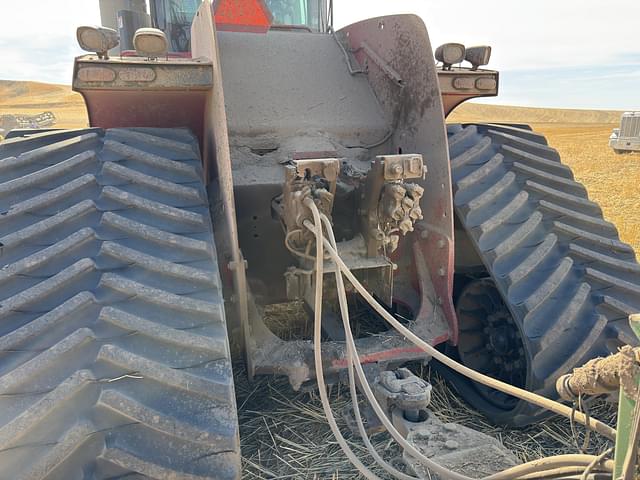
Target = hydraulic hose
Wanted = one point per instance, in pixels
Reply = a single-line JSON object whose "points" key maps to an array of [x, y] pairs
{"points": [[317, 349], [531, 397], [529, 470], [352, 356]]}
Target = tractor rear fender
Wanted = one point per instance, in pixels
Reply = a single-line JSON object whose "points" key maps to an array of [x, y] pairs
{"points": [[397, 53]]}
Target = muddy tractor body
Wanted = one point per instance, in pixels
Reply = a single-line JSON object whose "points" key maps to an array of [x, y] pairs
{"points": [[359, 108], [253, 123]]}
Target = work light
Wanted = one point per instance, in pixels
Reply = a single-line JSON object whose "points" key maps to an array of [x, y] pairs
{"points": [[97, 39], [478, 56], [450, 53], [150, 42]]}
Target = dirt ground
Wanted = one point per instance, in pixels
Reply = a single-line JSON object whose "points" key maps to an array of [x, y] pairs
{"points": [[284, 433], [30, 98]]}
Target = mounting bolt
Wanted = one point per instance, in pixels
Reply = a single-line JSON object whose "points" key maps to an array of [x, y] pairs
{"points": [[441, 271], [441, 243], [233, 265], [424, 234]]}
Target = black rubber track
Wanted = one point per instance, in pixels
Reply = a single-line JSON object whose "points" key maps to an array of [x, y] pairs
{"points": [[114, 358], [566, 277]]}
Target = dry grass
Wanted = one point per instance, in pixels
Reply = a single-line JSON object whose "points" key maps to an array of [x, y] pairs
{"points": [[479, 112], [285, 435]]}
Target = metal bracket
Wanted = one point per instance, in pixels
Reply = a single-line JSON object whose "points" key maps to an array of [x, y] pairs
{"points": [[386, 68], [403, 390], [403, 167]]}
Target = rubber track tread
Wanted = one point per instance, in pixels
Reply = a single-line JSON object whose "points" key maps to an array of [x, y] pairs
{"points": [[114, 356], [567, 278]]}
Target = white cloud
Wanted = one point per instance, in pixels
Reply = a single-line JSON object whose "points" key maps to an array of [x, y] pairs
{"points": [[37, 37]]}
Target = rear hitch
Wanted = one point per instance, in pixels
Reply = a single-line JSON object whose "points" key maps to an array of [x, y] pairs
{"points": [[405, 398]]}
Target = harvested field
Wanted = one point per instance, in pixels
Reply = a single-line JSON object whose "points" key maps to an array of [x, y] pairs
{"points": [[284, 434], [30, 98]]}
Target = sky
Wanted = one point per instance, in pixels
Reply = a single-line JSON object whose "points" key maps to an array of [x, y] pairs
{"points": [[550, 53]]}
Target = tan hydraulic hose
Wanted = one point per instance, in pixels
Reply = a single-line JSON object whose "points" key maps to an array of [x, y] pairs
{"points": [[563, 473], [352, 356], [529, 469], [602, 375], [531, 397], [536, 467], [317, 351]]}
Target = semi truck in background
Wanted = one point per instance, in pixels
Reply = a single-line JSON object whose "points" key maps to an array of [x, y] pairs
{"points": [[626, 139]]}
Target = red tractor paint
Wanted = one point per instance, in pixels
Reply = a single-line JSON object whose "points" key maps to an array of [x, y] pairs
{"points": [[242, 16]]}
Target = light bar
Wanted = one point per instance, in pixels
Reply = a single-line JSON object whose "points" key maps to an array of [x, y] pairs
{"points": [[97, 39], [450, 53], [478, 56]]}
